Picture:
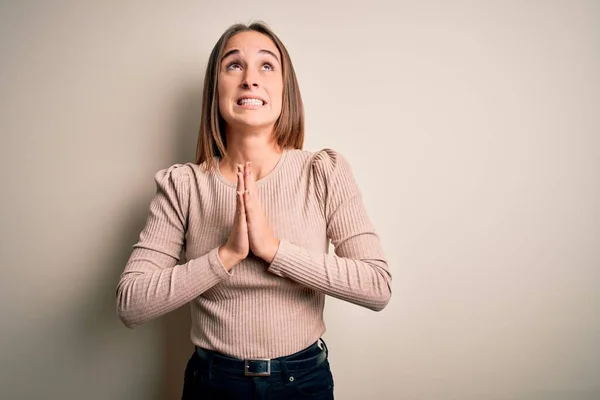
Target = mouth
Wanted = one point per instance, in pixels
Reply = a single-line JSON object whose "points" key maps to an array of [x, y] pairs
{"points": [[251, 101]]}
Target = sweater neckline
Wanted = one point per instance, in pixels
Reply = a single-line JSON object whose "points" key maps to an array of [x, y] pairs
{"points": [[259, 182]]}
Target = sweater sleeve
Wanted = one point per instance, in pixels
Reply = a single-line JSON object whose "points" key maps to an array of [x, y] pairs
{"points": [[152, 283], [358, 271]]}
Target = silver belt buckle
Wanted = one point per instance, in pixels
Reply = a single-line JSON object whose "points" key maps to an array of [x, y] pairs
{"points": [[247, 371]]}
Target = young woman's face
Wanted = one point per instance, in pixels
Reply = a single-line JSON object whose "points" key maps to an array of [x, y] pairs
{"points": [[250, 82]]}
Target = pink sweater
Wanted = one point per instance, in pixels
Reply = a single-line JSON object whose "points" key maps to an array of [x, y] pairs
{"points": [[258, 310]]}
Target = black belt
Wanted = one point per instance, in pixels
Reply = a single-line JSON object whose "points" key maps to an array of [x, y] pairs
{"points": [[260, 367]]}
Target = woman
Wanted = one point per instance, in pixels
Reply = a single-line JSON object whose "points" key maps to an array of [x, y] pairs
{"points": [[255, 215]]}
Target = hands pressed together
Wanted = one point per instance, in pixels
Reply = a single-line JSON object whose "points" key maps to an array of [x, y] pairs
{"points": [[250, 231]]}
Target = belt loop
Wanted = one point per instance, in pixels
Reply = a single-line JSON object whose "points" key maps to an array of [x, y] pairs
{"points": [[210, 363], [324, 347]]}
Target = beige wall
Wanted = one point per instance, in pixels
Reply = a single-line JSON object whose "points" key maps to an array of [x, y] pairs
{"points": [[474, 133]]}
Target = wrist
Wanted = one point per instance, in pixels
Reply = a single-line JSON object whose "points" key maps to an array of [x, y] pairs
{"points": [[228, 258], [271, 251]]}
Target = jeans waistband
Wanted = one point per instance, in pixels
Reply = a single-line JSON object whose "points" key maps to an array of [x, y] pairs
{"points": [[264, 367]]}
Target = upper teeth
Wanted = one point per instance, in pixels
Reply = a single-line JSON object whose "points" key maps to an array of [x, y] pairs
{"points": [[254, 102]]}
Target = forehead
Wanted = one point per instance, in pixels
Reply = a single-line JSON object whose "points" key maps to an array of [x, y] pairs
{"points": [[250, 42]]}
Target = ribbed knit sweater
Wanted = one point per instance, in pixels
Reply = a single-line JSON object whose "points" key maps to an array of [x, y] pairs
{"points": [[257, 310]]}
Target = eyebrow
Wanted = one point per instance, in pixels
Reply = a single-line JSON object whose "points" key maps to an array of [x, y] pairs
{"points": [[263, 51]]}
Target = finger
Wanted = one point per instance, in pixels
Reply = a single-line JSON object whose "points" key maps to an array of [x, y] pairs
{"points": [[241, 207], [240, 191], [241, 185], [249, 177], [249, 194], [248, 202], [247, 173]]}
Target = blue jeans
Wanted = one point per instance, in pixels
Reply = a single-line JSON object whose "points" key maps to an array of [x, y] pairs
{"points": [[210, 375]]}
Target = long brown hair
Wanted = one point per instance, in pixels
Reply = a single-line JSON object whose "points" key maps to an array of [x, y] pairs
{"points": [[289, 127]]}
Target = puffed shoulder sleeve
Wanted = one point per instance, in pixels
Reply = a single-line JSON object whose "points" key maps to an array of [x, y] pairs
{"points": [[348, 224], [167, 217], [334, 181]]}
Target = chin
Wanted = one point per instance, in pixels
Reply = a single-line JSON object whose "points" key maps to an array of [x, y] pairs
{"points": [[254, 124]]}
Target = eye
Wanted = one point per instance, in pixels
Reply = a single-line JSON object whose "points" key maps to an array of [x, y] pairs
{"points": [[267, 67], [233, 66]]}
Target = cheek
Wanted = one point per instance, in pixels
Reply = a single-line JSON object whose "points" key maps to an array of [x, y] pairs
{"points": [[221, 90], [222, 96], [277, 95]]}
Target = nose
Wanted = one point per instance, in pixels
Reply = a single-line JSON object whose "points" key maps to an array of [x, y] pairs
{"points": [[250, 79]]}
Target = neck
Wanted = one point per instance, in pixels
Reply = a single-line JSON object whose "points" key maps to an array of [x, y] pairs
{"points": [[261, 149]]}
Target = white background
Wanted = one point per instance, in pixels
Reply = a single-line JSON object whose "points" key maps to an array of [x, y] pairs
{"points": [[473, 129]]}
